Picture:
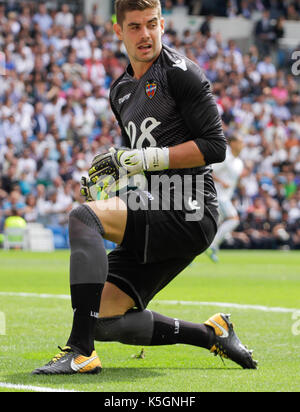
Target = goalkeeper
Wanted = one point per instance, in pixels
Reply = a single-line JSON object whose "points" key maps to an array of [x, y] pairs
{"points": [[169, 120]]}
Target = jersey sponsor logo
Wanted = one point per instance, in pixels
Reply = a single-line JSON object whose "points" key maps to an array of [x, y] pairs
{"points": [[181, 64], [147, 126], [123, 99], [151, 88]]}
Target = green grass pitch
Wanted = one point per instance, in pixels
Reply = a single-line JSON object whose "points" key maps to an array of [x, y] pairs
{"points": [[260, 289]]}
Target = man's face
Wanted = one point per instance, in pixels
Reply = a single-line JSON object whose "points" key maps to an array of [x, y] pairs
{"points": [[141, 33]]}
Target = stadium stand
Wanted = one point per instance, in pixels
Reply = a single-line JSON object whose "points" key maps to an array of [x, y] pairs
{"points": [[55, 115]]}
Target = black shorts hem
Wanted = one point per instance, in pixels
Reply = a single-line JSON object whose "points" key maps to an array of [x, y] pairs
{"points": [[128, 288]]}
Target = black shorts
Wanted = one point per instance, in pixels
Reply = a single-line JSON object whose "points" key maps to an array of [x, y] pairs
{"points": [[157, 246], [142, 281]]}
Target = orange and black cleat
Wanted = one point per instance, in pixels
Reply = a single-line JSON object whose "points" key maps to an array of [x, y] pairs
{"points": [[68, 362], [226, 343]]}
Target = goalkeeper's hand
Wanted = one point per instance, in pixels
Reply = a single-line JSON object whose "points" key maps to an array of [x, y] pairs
{"points": [[85, 189], [108, 168], [100, 191], [121, 162]]}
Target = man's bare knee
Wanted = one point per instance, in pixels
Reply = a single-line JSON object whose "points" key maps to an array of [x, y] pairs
{"points": [[114, 302], [113, 215]]}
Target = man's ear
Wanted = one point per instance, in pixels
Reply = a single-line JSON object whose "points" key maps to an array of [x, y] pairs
{"points": [[162, 24], [118, 30]]}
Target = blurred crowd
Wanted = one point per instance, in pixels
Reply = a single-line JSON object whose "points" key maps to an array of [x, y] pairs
{"points": [[289, 9], [55, 117]]}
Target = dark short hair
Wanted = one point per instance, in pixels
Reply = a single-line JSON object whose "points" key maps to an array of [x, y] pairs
{"points": [[122, 6]]}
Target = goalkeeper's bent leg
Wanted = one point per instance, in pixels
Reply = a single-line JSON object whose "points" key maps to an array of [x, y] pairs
{"points": [[88, 273], [148, 328], [113, 215]]}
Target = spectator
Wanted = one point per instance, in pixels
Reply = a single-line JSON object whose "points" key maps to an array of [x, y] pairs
{"points": [[53, 212], [205, 27], [95, 69], [48, 169], [280, 92], [264, 34], [25, 17], [30, 210], [81, 45], [13, 202], [267, 69], [246, 8], [195, 7], [232, 8], [279, 29], [72, 67], [63, 121], [39, 119], [27, 164], [9, 179], [291, 11], [81, 170], [64, 18], [84, 120], [180, 7], [12, 130], [167, 8], [42, 18]]}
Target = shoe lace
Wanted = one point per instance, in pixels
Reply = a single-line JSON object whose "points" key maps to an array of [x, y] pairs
{"points": [[61, 354], [219, 350]]}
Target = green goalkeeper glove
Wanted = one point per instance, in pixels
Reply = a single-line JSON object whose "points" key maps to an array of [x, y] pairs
{"points": [[109, 168], [120, 162]]}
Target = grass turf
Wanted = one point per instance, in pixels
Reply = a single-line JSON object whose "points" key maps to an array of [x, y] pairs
{"points": [[35, 326]]}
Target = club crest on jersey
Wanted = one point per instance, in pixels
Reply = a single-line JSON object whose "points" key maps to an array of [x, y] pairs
{"points": [[151, 88]]}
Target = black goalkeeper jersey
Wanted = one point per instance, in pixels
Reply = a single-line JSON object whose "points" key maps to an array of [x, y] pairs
{"points": [[171, 104]]}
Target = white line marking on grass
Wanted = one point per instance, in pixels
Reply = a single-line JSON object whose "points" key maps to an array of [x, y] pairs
{"points": [[35, 295], [261, 308], [31, 388], [227, 305]]}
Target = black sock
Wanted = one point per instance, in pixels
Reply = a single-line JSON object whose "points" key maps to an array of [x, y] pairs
{"points": [[148, 328], [88, 273], [85, 303], [168, 331]]}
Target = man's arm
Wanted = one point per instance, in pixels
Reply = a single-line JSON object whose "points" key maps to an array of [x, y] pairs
{"points": [[196, 104], [185, 155]]}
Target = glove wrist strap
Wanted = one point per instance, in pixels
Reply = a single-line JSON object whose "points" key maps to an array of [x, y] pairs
{"points": [[155, 159]]}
